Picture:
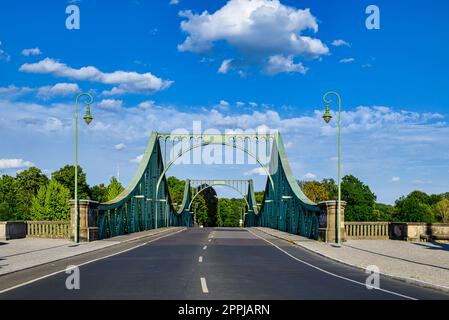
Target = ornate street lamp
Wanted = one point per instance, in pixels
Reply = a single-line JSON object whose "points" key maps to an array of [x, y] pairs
{"points": [[327, 118], [88, 119]]}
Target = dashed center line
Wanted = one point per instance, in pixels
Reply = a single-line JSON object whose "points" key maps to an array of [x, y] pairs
{"points": [[204, 285], [200, 259], [210, 240], [205, 247]]}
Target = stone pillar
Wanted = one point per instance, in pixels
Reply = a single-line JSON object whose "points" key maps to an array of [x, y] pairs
{"points": [[87, 223], [328, 221]]}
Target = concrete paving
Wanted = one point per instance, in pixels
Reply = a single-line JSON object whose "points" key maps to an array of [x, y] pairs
{"points": [[22, 254], [422, 263]]}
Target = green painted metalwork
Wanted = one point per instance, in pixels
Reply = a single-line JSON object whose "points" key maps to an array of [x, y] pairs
{"points": [[146, 204]]}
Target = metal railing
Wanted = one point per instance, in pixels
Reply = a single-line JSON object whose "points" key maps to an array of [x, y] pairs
{"points": [[48, 229], [367, 230]]}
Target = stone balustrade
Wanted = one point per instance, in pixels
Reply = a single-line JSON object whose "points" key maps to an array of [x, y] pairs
{"points": [[48, 229], [367, 230]]}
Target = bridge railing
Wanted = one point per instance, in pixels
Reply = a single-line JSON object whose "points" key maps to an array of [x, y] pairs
{"points": [[48, 229], [367, 230]]}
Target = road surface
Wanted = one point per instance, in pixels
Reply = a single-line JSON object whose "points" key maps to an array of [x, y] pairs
{"points": [[201, 264]]}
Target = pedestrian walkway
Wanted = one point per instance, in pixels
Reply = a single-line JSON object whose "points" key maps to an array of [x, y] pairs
{"points": [[422, 263], [22, 254]]}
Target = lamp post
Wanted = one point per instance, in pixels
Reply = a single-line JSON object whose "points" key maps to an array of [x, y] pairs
{"points": [[327, 118], [88, 119]]}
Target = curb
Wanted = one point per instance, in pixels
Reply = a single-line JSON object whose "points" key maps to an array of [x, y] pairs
{"points": [[416, 282]]}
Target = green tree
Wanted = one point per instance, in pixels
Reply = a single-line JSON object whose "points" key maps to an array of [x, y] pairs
{"points": [[114, 189], [331, 188], [200, 208], [383, 212], [315, 191], [442, 210], [28, 184], [359, 198], [66, 177], [176, 188], [8, 198], [414, 208], [99, 193], [51, 203]]}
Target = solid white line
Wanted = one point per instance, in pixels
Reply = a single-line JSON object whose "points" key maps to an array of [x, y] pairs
{"points": [[88, 262], [330, 273], [205, 247], [200, 259], [204, 285]]}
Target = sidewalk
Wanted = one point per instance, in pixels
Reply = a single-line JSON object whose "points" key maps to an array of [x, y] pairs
{"points": [[22, 254], [421, 263]]}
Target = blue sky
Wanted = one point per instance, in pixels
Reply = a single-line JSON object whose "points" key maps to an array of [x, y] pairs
{"points": [[153, 65]]}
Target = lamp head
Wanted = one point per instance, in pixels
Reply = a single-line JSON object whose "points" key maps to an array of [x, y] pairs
{"points": [[327, 114], [88, 117]]}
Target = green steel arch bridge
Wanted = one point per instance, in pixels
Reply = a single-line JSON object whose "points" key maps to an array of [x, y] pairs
{"points": [[146, 203]]}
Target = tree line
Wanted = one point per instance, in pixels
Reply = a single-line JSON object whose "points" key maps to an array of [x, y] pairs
{"points": [[31, 195], [362, 203]]}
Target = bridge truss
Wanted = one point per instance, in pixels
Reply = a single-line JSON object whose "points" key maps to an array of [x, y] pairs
{"points": [[146, 203]]}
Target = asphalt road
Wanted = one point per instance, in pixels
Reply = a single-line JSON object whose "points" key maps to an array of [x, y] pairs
{"points": [[200, 264]]}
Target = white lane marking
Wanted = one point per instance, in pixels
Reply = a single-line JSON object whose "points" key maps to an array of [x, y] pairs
{"points": [[328, 272], [204, 285], [88, 262], [210, 240], [200, 259], [205, 247]]}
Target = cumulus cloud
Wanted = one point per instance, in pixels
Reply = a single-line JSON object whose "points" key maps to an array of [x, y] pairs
{"points": [[31, 52], [111, 104], [225, 66], [120, 146], [258, 29], [59, 89], [4, 55], [347, 60], [310, 176], [14, 164], [137, 159], [174, 2], [279, 64], [395, 179], [256, 172], [340, 42], [123, 82]]}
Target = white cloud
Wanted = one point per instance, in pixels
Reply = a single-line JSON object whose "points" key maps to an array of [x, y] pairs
{"points": [[14, 164], [253, 104], [120, 146], [4, 55], [309, 176], [111, 104], [395, 179], [225, 66], [146, 105], [31, 52], [278, 63], [340, 42], [59, 89], [240, 104], [256, 172], [347, 60], [246, 25], [14, 91], [124, 82], [174, 2], [137, 159]]}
